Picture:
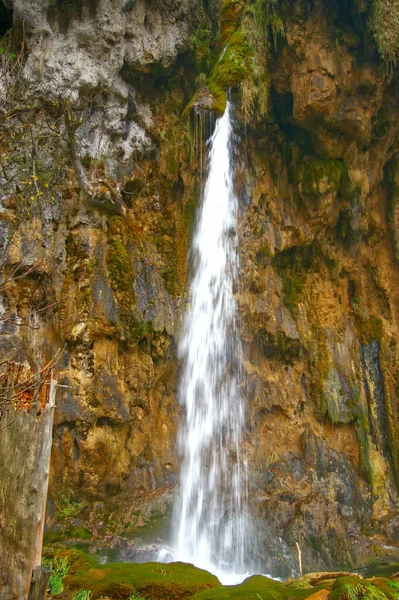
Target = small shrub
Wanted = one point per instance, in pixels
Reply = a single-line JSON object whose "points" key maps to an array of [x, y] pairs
{"points": [[67, 507]]}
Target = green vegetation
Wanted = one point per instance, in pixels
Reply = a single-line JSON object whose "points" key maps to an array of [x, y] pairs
{"points": [[80, 533], [87, 579], [8, 54], [292, 266], [229, 69], [119, 262], [82, 595], [368, 330], [247, 30], [120, 267], [124, 580], [59, 569], [351, 588], [262, 27], [122, 277], [292, 288], [256, 588], [200, 48], [157, 527], [317, 176], [67, 507], [394, 585], [385, 19]]}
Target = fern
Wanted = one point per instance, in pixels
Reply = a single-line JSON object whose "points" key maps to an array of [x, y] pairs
{"points": [[363, 592], [59, 569], [82, 595], [394, 585]]}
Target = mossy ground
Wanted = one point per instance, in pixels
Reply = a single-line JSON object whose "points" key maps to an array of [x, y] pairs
{"points": [[178, 581], [121, 580], [257, 587]]}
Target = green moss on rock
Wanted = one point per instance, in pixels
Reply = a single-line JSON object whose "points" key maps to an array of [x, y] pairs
{"points": [[362, 434], [257, 587], [279, 346], [230, 16], [292, 266], [317, 176], [338, 403], [368, 330], [122, 277], [120, 268], [176, 581], [292, 288], [200, 48], [229, 69]]}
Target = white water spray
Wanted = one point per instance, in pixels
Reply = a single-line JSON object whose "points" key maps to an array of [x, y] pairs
{"points": [[210, 522]]}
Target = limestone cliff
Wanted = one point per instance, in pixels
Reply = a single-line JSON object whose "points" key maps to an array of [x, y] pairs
{"points": [[105, 109]]}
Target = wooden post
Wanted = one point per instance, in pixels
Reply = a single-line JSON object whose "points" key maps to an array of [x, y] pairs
{"points": [[39, 583], [25, 445]]}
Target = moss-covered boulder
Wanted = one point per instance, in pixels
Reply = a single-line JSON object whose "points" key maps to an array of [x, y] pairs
{"points": [[121, 581]]}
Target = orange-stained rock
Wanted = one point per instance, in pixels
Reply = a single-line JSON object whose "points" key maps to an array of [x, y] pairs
{"points": [[320, 595]]}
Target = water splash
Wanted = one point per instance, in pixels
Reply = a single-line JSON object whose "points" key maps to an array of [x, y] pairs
{"points": [[210, 522]]}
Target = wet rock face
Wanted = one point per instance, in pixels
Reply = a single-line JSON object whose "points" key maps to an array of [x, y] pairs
{"points": [[319, 310], [100, 272]]}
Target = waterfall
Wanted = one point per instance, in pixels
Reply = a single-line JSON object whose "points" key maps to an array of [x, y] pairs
{"points": [[210, 521]]}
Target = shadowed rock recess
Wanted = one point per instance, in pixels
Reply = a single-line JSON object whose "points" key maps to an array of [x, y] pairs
{"points": [[105, 108]]}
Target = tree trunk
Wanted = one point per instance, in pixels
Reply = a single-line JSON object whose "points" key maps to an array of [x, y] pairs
{"points": [[25, 444]]}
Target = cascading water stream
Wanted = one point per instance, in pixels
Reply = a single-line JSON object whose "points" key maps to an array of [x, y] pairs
{"points": [[210, 522]]}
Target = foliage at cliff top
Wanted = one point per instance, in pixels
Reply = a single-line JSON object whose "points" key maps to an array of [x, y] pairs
{"points": [[247, 28], [386, 28]]}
